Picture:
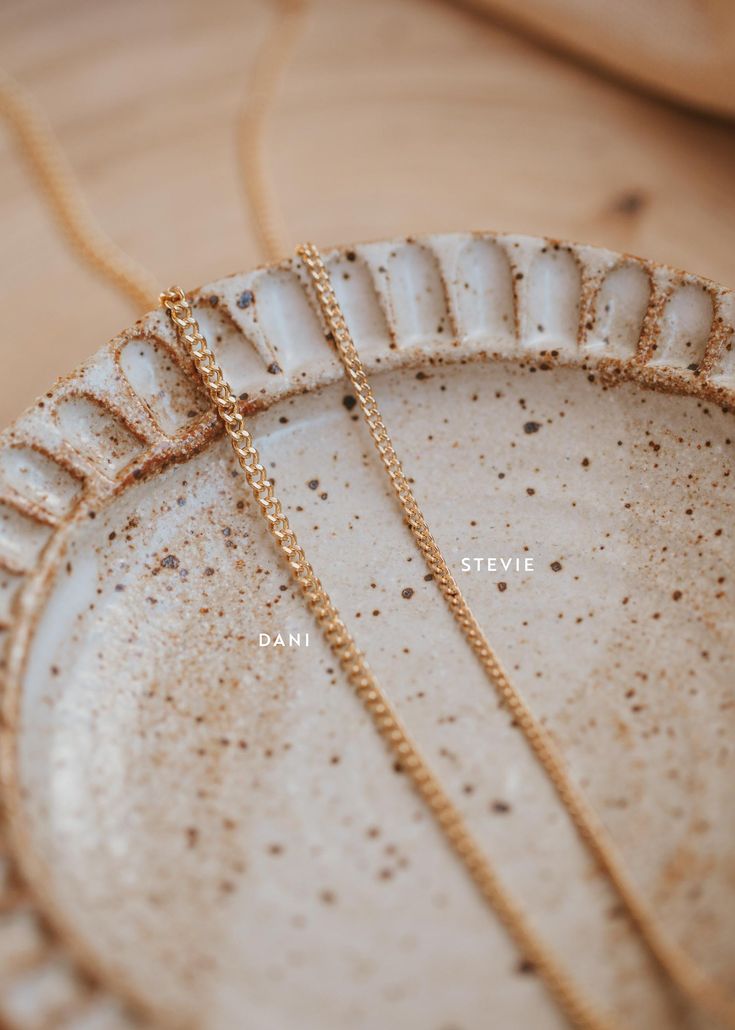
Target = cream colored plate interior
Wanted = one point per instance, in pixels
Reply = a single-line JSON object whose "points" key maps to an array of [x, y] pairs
{"points": [[210, 827]]}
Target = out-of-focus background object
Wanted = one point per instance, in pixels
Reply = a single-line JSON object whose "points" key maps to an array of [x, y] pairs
{"points": [[682, 49], [393, 117]]}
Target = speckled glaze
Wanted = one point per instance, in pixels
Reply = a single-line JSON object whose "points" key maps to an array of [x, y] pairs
{"points": [[202, 832]]}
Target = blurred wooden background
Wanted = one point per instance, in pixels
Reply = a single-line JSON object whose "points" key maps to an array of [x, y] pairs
{"points": [[395, 116]]}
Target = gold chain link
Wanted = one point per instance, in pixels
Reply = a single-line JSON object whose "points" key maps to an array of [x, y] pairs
{"points": [[385, 720], [270, 63], [66, 200], [677, 966], [63, 193]]}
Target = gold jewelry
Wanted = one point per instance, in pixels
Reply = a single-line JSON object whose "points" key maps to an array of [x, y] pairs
{"points": [[61, 189], [106, 259], [670, 959], [386, 721], [270, 63], [66, 200]]}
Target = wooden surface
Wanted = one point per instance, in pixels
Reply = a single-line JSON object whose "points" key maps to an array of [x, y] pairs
{"points": [[395, 116], [682, 49]]}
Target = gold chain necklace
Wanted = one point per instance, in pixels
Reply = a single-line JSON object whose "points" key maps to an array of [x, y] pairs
{"points": [[676, 965], [673, 962], [670, 959], [65, 198], [448, 818], [107, 259]]}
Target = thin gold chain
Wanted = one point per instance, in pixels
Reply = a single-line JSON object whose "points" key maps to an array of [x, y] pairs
{"points": [[673, 962], [61, 189], [64, 195], [360, 677], [270, 62]]}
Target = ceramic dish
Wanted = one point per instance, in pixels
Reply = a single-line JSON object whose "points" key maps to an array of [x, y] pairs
{"points": [[203, 831]]}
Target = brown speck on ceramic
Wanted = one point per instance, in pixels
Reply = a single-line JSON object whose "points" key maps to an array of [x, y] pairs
{"points": [[525, 967]]}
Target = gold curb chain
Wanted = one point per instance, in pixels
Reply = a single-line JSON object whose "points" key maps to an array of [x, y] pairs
{"points": [[61, 189], [270, 63], [385, 720], [677, 966], [60, 186]]}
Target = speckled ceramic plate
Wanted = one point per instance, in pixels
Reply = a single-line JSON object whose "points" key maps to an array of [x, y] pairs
{"points": [[203, 831]]}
